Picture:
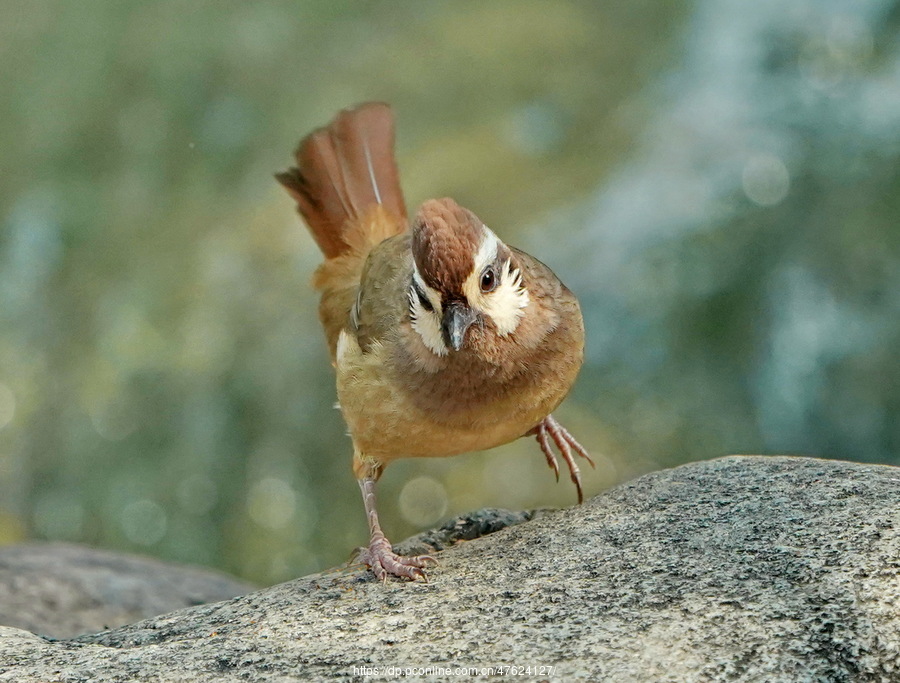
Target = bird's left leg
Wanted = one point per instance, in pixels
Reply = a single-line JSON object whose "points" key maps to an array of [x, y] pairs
{"points": [[548, 429]]}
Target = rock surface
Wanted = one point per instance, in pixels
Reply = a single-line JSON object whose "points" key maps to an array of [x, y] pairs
{"points": [[743, 568], [62, 590]]}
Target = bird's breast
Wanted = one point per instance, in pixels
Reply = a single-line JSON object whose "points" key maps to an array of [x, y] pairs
{"points": [[399, 402]]}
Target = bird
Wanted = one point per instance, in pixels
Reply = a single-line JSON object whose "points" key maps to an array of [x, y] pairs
{"points": [[444, 339]]}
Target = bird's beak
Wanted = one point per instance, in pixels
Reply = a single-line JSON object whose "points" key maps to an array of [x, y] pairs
{"points": [[458, 317]]}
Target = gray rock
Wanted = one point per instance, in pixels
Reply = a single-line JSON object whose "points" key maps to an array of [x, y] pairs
{"points": [[743, 568], [62, 590], [467, 527]]}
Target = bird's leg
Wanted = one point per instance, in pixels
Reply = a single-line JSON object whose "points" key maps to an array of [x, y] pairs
{"points": [[379, 556], [543, 438], [548, 429]]}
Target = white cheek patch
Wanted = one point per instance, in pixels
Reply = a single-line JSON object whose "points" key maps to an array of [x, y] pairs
{"points": [[426, 323], [505, 305]]}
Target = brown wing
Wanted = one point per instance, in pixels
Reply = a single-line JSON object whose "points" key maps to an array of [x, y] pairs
{"points": [[384, 300]]}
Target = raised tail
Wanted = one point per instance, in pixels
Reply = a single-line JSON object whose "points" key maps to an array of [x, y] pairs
{"points": [[347, 189], [343, 171]]}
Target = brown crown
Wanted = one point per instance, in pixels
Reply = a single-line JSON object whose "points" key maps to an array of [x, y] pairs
{"points": [[445, 238]]}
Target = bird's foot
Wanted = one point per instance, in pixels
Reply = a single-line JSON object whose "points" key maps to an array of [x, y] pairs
{"points": [[384, 562], [549, 429]]}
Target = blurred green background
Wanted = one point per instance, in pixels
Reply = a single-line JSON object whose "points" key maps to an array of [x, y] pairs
{"points": [[718, 181]]}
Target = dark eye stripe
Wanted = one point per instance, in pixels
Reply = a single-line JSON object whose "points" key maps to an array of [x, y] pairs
{"points": [[423, 298]]}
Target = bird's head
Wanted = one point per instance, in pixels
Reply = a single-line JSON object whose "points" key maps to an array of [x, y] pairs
{"points": [[463, 277]]}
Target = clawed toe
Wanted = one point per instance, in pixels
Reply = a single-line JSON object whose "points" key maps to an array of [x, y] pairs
{"points": [[384, 562], [549, 429]]}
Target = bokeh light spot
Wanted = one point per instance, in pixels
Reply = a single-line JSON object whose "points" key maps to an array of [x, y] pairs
{"points": [[114, 420], [850, 41], [271, 503], [423, 501], [144, 522], [765, 180]]}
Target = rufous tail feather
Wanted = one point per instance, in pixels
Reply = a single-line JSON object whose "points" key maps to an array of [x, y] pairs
{"points": [[347, 189], [343, 170]]}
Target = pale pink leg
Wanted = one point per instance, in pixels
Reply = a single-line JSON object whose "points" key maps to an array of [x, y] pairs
{"points": [[549, 429], [379, 556]]}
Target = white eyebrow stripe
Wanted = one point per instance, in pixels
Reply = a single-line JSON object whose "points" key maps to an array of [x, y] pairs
{"points": [[487, 250]]}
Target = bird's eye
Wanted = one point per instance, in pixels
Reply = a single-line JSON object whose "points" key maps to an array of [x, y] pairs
{"points": [[488, 280]]}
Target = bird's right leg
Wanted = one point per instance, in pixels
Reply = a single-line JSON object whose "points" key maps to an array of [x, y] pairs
{"points": [[380, 556]]}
